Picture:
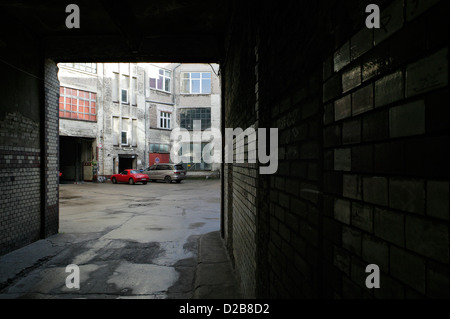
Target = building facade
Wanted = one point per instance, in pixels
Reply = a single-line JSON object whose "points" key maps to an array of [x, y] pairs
{"points": [[177, 96], [115, 116], [80, 91], [122, 126]]}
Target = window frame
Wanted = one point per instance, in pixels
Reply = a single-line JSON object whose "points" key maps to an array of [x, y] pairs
{"points": [[88, 67], [121, 138], [188, 114], [66, 106], [121, 96], [164, 77], [200, 79], [157, 149], [164, 115]]}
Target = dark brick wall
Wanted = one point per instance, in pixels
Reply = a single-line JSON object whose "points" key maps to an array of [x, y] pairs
{"points": [[385, 155], [28, 141], [363, 149], [240, 180], [20, 153], [50, 194]]}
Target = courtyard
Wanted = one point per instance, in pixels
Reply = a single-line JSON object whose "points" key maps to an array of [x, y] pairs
{"points": [[129, 241]]}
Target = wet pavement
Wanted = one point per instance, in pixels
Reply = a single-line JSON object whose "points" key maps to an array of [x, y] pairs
{"points": [[153, 241]]}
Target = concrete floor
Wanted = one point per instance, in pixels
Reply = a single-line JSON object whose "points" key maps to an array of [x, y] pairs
{"points": [[129, 241]]}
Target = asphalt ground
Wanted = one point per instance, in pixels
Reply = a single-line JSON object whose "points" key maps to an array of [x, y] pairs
{"points": [[154, 241]]}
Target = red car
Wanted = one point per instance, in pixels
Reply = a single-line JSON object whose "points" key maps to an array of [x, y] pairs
{"points": [[130, 176]]}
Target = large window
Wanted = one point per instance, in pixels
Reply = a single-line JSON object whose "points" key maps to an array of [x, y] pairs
{"points": [[77, 104], [196, 83], [188, 116], [188, 159], [164, 120], [87, 67], [159, 148], [161, 80], [126, 135]]}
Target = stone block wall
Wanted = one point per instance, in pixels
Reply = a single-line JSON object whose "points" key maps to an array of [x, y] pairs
{"points": [[383, 152], [363, 149]]}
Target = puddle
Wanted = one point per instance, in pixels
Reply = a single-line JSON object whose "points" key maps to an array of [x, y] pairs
{"points": [[196, 225], [130, 251]]}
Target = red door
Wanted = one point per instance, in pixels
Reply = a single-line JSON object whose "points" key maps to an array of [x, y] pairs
{"points": [[154, 158]]}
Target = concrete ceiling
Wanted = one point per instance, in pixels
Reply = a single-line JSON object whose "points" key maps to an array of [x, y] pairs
{"points": [[136, 30]]}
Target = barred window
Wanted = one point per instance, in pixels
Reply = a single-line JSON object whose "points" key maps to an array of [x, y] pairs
{"points": [[188, 116]]}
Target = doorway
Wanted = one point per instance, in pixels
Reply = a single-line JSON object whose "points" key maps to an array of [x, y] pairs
{"points": [[127, 162]]}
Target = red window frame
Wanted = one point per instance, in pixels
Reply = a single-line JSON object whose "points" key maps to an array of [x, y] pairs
{"points": [[77, 104]]}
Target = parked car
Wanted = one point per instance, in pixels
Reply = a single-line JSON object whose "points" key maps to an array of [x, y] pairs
{"points": [[130, 176], [166, 172]]}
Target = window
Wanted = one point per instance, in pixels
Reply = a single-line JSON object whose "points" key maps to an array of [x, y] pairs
{"points": [[125, 129], [159, 148], [115, 87], [124, 140], [133, 132], [188, 116], [124, 95], [188, 161], [134, 91], [77, 104], [196, 83], [161, 80], [116, 135], [164, 120], [87, 67], [124, 89]]}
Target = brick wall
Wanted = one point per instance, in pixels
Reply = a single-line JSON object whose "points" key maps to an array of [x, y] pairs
{"points": [[384, 146], [28, 133], [363, 149], [50, 151], [240, 180]]}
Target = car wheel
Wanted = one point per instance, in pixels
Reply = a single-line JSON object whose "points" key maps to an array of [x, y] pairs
{"points": [[167, 179], [131, 181], [178, 181], [145, 183], [114, 180]]}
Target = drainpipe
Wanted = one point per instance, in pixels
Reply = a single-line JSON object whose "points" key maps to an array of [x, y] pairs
{"points": [[175, 109], [103, 122], [145, 122], [173, 84]]}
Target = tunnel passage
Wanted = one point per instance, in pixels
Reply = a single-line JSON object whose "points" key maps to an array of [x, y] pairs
{"points": [[363, 132]]}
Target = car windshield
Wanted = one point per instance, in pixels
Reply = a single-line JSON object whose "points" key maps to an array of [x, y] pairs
{"points": [[134, 172], [179, 167]]}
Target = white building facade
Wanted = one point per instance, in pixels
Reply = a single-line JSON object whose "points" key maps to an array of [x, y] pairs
{"points": [[115, 116]]}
